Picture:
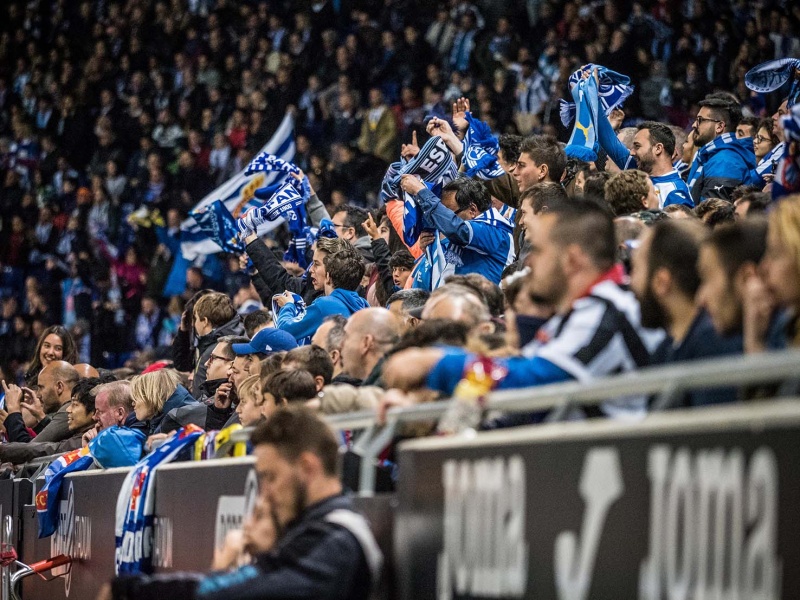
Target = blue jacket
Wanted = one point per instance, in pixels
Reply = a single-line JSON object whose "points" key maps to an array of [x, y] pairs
{"points": [[484, 245], [302, 325], [721, 165], [180, 397]]}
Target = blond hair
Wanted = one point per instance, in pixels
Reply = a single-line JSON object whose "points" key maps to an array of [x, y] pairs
{"points": [[247, 386], [784, 223], [153, 389]]}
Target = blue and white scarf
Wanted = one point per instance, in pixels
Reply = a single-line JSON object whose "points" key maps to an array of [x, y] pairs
{"points": [[388, 190], [768, 164], [269, 162], [300, 306], [787, 176], [681, 167], [583, 143], [773, 74], [431, 268], [216, 221], [614, 90], [480, 151], [696, 170], [286, 202], [136, 503], [435, 166]]}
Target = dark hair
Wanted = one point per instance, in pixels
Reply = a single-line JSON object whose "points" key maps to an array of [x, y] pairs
{"points": [[544, 195], [345, 268], [742, 190], [759, 202], [294, 430], [272, 363], [296, 385], [490, 293], [354, 217], [510, 144], [625, 191], [545, 150], [715, 211], [595, 184], [680, 208], [675, 246], [313, 359], [767, 123], [336, 333], [434, 331], [469, 191], [587, 223], [216, 307], [81, 392], [402, 259], [659, 134], [724, 110], [69, 352], [751, 122], [411, 299], [739, 243], [256, 320]]}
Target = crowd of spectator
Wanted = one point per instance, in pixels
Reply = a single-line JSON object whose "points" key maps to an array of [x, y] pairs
{"points": [[674, 242]]}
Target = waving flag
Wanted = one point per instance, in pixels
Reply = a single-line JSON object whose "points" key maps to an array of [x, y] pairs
{"points": [[480, 150], [238, 193], [218, 224], [136, 502]]}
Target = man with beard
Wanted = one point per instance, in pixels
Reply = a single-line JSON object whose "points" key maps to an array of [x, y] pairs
{"points": [[595, 331], [665, 280], [651, 152], [323, 549]]}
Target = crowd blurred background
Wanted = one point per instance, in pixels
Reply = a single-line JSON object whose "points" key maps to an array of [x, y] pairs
{"points": [[110, 106]]}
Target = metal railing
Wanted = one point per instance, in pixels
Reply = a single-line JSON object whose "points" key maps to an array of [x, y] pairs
{"points": [[666, 384]]}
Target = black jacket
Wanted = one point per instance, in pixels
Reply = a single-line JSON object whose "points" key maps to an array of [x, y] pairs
{"points": [[327, 553], [185, 358], [274, 279]]}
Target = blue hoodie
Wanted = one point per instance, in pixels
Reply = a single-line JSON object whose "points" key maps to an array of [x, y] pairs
{"points": [[302, 325], [721, 165]]}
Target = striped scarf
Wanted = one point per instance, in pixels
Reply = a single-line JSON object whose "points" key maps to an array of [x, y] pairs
{"points": [[480, 150], [435, 166], [269, 162], [614, 90], [772, 75], [583, 143], [787, 176], [768, 164], [136, 503], [696, 170]]}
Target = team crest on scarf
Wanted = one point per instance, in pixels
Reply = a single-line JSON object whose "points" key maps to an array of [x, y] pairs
{"points": [[480, 150]]}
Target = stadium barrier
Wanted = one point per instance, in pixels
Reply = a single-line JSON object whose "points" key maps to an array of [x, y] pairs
{"points": [[565, 510]]}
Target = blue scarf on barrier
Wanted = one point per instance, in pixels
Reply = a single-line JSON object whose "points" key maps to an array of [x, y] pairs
{"points": [[136, 503], [216, 221], [773, 74], [435, 166], [787, 175], [480, 150], [113, 447], [614, 90]]}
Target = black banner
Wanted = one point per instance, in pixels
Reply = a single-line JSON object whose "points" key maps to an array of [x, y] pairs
{"points": [[687, 505]]}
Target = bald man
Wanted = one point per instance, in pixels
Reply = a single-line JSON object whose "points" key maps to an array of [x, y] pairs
{"points": [[459, 303], [368, 336], [55, 385], [85, 371]]}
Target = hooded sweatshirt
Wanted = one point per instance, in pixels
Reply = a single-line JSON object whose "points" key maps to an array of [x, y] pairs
{"points": [[721, 165], [304, 325], [180, 397]]}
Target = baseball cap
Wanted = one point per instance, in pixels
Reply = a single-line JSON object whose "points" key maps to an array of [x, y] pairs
{"points": [[266, 341]]}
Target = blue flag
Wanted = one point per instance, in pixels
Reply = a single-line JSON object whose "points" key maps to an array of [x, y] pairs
{"points": [[613, 91], [48, 497], [216, 221]]}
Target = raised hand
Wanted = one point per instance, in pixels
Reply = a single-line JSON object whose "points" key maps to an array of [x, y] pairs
{"points": [[13, 397], [371, 227], [409, 151]]}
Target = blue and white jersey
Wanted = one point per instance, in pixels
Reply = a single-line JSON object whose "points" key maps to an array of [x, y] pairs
{"points": [[672, 190], [767, 165]]}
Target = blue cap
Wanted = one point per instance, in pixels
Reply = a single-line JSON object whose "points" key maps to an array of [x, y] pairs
{"points": [[266, 341]]}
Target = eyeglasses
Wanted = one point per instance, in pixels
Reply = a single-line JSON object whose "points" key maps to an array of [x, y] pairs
{"points": [[335, 226], [700, 120], [214, 357], [759, 138]]}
